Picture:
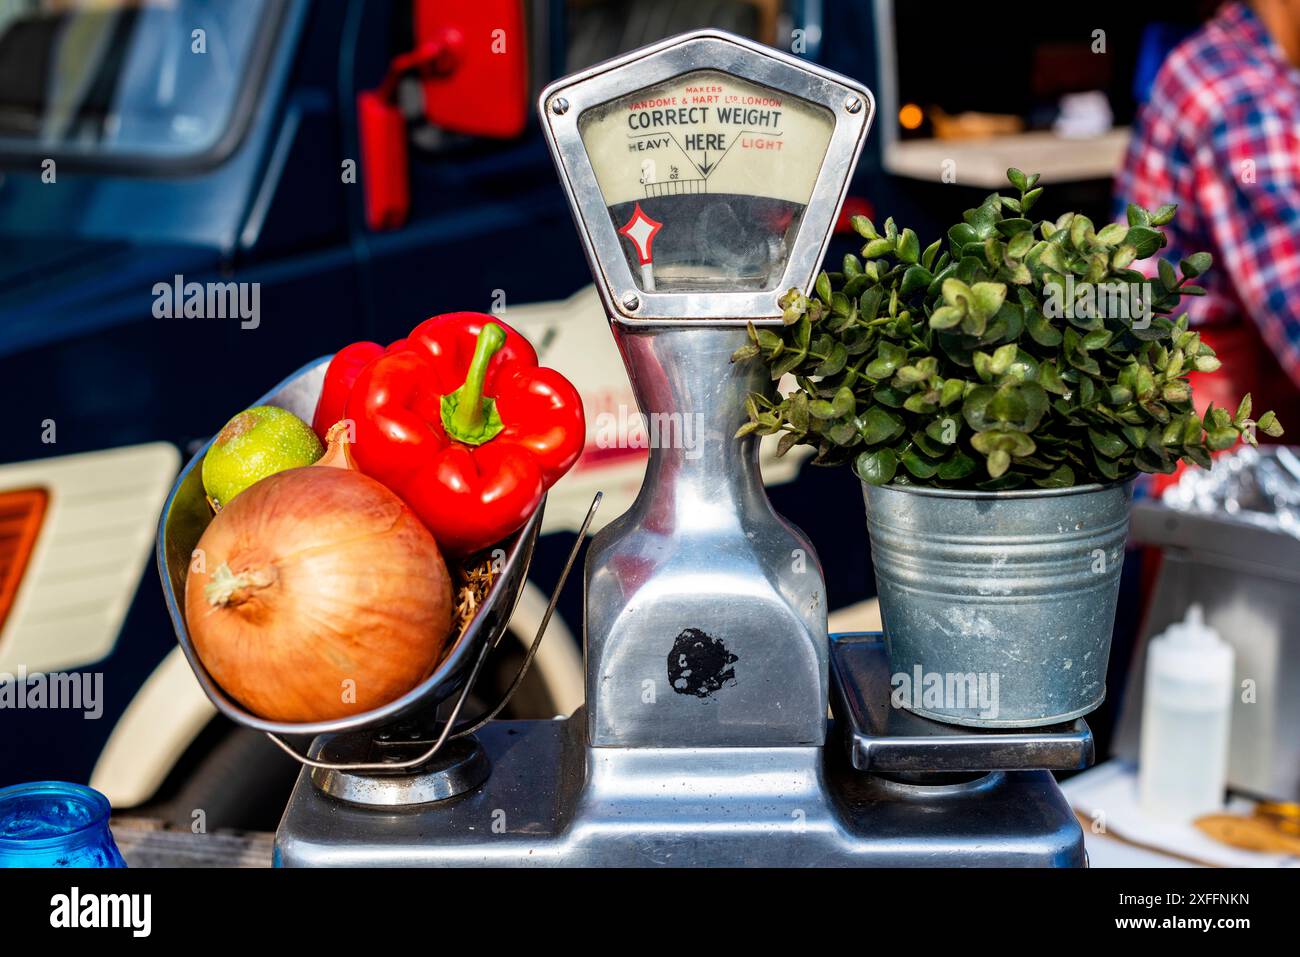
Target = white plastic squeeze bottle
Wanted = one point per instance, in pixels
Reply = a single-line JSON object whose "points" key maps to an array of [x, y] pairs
{"points": [[1186, 710]]}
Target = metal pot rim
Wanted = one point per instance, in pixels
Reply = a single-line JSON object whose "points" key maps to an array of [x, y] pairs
{"points": [[1014, 493]]}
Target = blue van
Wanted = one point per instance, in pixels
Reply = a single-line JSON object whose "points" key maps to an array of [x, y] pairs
{"points": [[198, 197]]}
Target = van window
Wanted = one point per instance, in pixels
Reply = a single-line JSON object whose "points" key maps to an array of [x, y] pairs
{"points": [[600, 29], [158, 78]]}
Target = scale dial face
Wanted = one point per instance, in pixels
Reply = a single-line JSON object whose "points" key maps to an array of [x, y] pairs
{"points": [[706, 177]]}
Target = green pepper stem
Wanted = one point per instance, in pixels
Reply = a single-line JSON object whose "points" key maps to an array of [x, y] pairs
{"points": [[470, 414]]}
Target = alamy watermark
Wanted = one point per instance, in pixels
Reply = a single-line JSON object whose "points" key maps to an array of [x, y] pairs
{"points": [[76, 691], [626, 429], [946, 691], [1130, 301], [133, 912], [179, 299]]}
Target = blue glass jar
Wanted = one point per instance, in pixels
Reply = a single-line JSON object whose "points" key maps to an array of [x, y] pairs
{"points": [[55, 824]]}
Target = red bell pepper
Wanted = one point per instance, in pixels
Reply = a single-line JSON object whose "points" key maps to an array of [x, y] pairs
{"points": [[463, 425], [339, 377], [342, 373]]}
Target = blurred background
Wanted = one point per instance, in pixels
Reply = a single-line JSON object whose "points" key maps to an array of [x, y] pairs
{"points": [[146, 144]]}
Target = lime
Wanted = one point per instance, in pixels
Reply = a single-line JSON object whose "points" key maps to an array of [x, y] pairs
{"points": [[256, 443]]}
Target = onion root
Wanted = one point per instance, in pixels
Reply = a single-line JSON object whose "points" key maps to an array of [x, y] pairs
{"points": [[226, 588]]}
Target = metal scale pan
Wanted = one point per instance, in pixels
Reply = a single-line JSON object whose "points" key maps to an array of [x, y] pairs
{"points": [[358, 762]]}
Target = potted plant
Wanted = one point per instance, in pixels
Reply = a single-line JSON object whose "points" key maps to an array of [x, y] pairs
{"points": [[996, 396]]}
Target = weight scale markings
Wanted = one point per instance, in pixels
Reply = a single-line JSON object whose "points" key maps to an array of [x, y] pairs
{"points": [[676, 187], [690, 186]]}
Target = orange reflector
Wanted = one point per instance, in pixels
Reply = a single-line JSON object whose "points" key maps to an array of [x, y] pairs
{"points": [[910, 116], [21, 514]]}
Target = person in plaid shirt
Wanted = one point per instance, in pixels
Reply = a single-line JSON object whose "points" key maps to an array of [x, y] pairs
{"points": [[1220, 136]]}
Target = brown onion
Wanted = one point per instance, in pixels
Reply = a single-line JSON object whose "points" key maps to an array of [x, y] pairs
{"points": [[317, 594]]}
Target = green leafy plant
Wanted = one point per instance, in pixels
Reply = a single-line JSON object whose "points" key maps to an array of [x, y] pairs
{"points": [[1020, 355]]}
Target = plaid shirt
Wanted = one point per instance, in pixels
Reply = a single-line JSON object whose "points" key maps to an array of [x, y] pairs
{"points": [[1220, 136]]}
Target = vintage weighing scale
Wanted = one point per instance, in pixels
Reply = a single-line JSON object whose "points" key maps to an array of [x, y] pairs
{"points": [[705, 174]]}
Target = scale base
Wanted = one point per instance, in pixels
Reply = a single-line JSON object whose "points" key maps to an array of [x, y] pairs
{"points": [[553, 801], [460, 766]]}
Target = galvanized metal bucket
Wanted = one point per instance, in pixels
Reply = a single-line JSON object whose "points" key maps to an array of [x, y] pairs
{"points": [[998, 606]]}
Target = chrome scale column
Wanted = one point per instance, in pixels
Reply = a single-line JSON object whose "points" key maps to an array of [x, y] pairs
{"points": [[705, 610], [705, 174]]}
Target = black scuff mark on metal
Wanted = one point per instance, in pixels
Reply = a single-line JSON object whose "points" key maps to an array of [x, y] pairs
{"points": [[700, 664]]}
